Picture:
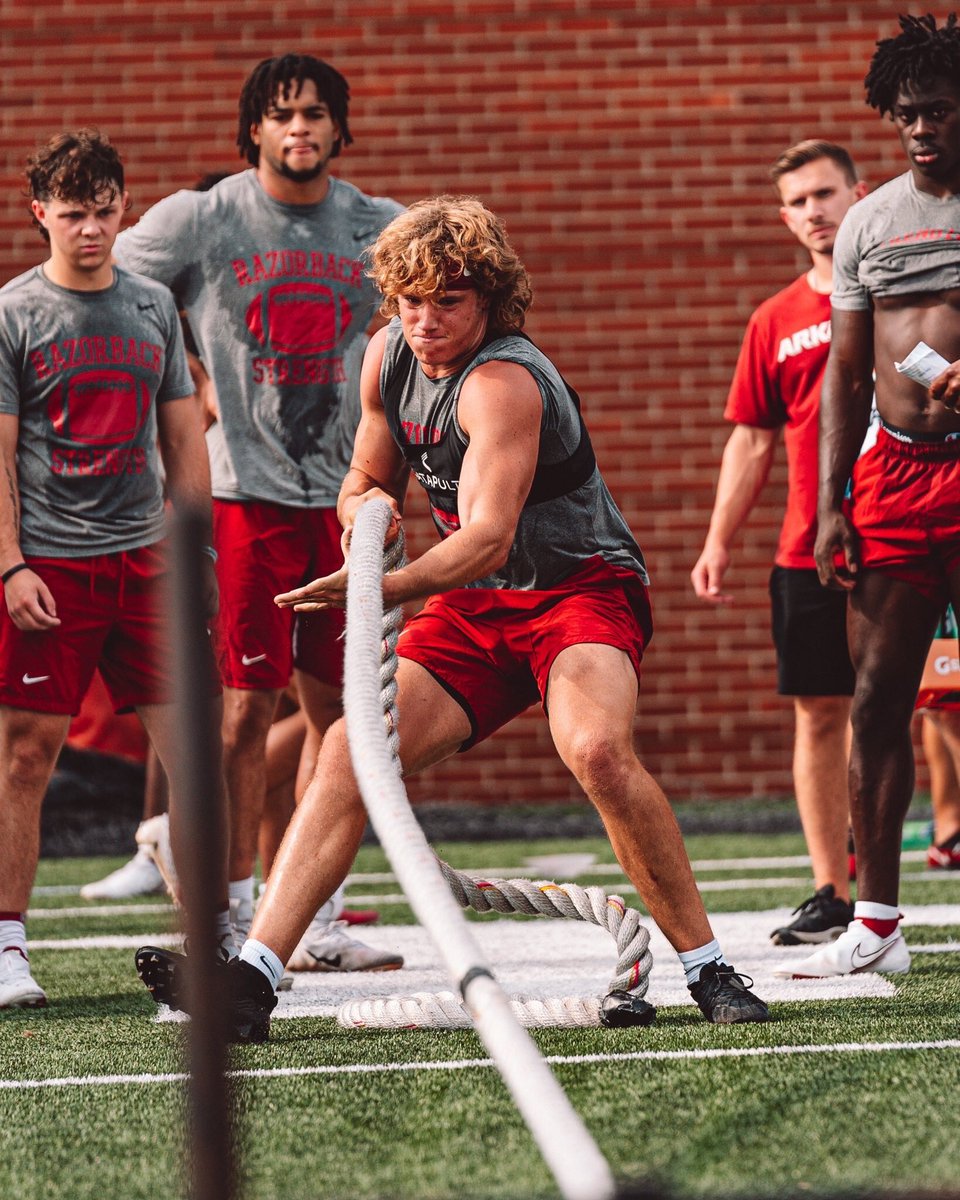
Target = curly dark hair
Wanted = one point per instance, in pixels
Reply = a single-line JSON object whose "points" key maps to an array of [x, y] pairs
{"points": [[79, 167], [282, 75], [917, 57]]}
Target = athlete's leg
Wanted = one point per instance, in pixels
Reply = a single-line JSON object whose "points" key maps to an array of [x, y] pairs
{"points": [[162, 726], [29, 745], [284, 746], [890, 625], [941, 748], [820, 757], [247, 716], [323, 838], [322, 705], [591, 699]]}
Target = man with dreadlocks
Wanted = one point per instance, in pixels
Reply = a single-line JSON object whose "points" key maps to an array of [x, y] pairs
{"points": [[268, 266], [537, 591], [894, 545]]}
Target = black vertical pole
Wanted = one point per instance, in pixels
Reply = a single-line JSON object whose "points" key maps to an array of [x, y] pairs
{"points": [[200, 838]]}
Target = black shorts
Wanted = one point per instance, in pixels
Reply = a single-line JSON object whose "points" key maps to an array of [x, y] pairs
{"points": [[810, 634]]}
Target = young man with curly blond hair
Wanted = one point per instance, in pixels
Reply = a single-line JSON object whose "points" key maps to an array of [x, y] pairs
{"points": [[536, 590]]}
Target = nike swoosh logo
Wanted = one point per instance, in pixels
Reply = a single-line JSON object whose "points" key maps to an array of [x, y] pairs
{"points": [[269, 968], [35, 678], [864, 960], [248, 662]]}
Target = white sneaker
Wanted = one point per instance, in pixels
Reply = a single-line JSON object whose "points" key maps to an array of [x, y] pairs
{"points": [[154, 836], [138, 877], [326, 946], [18, 988], [856, 950]]}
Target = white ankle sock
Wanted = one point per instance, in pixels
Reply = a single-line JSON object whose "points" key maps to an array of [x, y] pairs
{"points": [[693, 960], [263, 958], [13, 935]]}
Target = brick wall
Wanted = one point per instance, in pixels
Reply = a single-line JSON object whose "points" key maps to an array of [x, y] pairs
{"points": [[626, 144]]}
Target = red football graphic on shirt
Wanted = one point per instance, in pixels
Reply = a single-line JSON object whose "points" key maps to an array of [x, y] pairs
{"points": [[299, 318], [100, 408]]}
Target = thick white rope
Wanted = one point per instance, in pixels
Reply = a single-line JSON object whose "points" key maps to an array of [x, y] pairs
{"points": [[580, 1170]]}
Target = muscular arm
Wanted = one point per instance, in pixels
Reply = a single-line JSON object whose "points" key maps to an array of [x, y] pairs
{"points": [[844, 416], [744, 469], [30, 602], [500, 409], [187, 469]]}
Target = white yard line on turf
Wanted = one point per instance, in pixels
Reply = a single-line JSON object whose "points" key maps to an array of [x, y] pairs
{"points": [[700, 864], [473, 1063], [388, 899]]}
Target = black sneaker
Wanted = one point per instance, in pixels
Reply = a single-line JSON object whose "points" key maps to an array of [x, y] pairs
{"points": [[250, 996], [724, 998], [820, 919]]}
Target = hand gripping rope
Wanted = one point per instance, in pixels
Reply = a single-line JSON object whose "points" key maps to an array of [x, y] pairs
{"points": [[580, 1170]]}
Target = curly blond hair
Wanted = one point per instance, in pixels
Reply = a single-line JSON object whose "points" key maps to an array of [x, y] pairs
{"points": [[449, 237]]}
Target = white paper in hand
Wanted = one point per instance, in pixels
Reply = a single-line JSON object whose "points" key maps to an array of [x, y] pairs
{"points": [[922, 364]]}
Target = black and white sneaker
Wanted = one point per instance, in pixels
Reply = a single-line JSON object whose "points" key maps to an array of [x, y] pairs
{"points": [[820, 919], [724, 997], [250, 997]]}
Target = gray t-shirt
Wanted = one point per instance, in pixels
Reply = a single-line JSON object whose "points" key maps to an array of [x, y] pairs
{"points": [[895, 241], [278, 301], [554, 538], [83, 372]]}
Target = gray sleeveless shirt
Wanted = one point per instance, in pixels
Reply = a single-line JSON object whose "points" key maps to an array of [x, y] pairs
{"points": [[555, 535]]}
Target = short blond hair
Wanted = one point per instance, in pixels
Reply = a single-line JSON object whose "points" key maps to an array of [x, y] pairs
{"points": [[445, 238]]}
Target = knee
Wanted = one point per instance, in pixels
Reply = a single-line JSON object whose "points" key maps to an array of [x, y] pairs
{"points": [[600, 765], [822, 717], [246, 723], [29, 758], [881, 708]]}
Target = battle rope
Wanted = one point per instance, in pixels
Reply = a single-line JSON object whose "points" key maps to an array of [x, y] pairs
{"points": [[579, 1168], [543, 898]]}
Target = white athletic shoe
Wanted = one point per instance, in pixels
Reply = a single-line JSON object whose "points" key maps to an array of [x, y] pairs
{"points": [[326, 946], [154, 836], [138, 877], [856, 950], [18, 988]]}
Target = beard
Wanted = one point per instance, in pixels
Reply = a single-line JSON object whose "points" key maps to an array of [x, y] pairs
{"points": [[306, 176]]}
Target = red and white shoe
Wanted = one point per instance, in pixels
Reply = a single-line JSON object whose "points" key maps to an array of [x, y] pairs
{"points": [[944, 858], [18, 988], [857, 950]]}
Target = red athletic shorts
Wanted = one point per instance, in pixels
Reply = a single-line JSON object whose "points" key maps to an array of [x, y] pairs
{"points": [[112, 613], [905, 505], [492, 649], [264, 549]]}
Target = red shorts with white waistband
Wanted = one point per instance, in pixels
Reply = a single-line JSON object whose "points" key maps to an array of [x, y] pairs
{"points": [[491, 649], [264, 549], [905, 505], [112, 613]]}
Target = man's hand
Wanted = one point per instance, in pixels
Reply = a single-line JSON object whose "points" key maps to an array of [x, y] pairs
{"points": [[946, 388], [30, 602], [329, 592], [349, 508], [835, 535], [708, 572]]}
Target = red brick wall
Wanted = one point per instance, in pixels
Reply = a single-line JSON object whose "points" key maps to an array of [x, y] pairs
{"points": [[626, 144]]}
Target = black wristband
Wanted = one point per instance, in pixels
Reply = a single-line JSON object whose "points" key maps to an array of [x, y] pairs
{"points": [[21, 566]]}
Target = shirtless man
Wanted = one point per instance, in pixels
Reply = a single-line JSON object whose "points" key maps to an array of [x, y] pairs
{"points": [[894, 547]]}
